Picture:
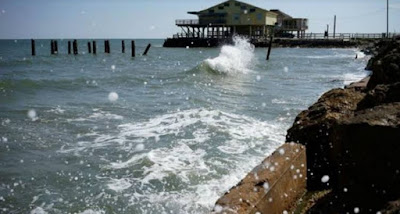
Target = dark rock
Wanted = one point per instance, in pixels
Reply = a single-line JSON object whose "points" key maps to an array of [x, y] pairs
{"points": [[379, 95], [385, 65], [360, 85], [367, 150], [313, 128]]}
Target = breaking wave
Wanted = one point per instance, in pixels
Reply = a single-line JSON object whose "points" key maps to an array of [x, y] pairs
{"points": [[236, 58]]}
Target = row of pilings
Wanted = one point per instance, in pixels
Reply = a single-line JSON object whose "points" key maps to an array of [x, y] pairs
{"points": [[91, 47]]}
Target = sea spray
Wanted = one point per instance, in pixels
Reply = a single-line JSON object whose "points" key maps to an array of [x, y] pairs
{"points": [[236, 58]]}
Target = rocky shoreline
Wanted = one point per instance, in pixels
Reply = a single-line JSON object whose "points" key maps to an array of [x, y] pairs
{"points": [[351, 141], [352, 136]]}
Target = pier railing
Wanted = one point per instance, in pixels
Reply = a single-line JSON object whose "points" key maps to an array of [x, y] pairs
{"points": [[348, 36]]}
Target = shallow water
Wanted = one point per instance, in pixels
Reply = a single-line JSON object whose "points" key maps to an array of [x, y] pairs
{"points": [[181, 128]]}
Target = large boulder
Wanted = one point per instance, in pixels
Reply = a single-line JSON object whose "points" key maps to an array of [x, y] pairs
{"points": [[367, 151], [313, 128], [379, 95], [385, 65]]}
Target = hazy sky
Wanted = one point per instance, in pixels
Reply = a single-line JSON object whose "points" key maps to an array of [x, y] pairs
{"points": [[156, 18]]}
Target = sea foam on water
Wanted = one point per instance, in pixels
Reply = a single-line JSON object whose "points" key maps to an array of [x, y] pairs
{"points": [[236, 58]]}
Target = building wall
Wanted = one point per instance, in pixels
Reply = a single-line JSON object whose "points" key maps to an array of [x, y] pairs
{"points": [[237, 13]]}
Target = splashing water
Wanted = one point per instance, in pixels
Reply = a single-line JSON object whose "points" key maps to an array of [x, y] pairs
{"points": [[236, 58]]}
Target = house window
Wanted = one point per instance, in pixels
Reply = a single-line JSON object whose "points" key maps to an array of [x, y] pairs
{"points": [[259, 16], [226, 4], [243, 7], [252, 10], [221, 7], [236, 17], [211, 11]]}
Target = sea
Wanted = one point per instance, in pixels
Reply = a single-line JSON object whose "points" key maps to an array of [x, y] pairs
{"points": [[169, 132]]}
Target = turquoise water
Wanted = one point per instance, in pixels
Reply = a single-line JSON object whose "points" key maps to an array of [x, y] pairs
{"points": [[165, 133]]}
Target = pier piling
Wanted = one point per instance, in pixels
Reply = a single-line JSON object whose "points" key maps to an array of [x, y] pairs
{"points": [[269, 48], [55, 47], [147, 49], [133, 48], [106, 46], [123, 46], [94, 47], [33, 47], [75, 47], [51, 47], [89, 47], [69, 47]]}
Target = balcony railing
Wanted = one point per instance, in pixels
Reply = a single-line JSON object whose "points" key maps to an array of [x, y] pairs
{"points": [[187, 22]]}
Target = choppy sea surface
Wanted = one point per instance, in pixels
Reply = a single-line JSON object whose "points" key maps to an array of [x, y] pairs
{"points": [[169, 132]]}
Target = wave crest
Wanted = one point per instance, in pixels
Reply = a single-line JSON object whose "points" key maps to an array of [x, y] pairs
{"points": [[236, 58]]}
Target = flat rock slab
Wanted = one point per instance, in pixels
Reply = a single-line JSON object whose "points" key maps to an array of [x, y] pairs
{"points": [[272, 187]]}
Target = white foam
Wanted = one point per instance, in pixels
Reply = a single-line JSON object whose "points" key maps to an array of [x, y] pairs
{"points": [[186, 158], [119, 185], [331, 56], [237, 58], [360, 55], [353, 77], [91, 211], [96, 115], [38, 210]]}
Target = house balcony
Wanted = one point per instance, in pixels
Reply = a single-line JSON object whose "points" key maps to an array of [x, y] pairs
{"points": [[187, 22], [200, 23]]}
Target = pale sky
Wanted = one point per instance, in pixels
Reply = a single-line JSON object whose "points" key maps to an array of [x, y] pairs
{"points": [[24, 19]]}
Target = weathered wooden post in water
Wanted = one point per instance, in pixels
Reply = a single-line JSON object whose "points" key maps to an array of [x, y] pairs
{"points": [[133, 48], [33, 47], [51, 47], [55, 47], [269, 47], [89, 48], [106, 46], [123, 46], [94, 47], [270, 40], [75, 47], [147, 49], [69, 47]]}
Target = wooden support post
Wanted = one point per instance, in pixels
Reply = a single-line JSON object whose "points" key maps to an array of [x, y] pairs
{"points": [[94, 47], [133, 48], [147, 49], [33, 47], [123, 46], [69, 47], [51, 47], [106, 46], [55, 47], [89, 47], [75, 46], [269, 46]]}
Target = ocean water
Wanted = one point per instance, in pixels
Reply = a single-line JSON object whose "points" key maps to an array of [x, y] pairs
{"points": [[165, 133]]}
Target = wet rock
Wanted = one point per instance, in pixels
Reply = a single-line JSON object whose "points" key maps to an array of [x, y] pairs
{"points": [[367, 151], [360, 85], [313, 128], [379, 95], [392, 207], [385, 65]]}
